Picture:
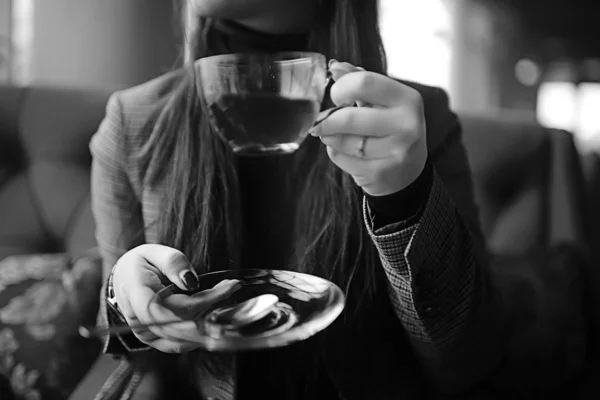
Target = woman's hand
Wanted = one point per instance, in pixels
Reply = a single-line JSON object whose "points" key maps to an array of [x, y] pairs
{"points": [[136, 282], [383, 145]]}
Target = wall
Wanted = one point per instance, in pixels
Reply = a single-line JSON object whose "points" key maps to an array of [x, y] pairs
{"points": [[489, 40], [101, 42], [473, 85], [4, 40]]}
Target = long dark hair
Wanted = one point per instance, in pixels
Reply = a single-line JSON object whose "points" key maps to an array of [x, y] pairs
{"points": [[201, 213]]}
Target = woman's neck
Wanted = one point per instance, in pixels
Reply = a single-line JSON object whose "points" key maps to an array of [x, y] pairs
{"points": [[234, 37], [280, 17]]}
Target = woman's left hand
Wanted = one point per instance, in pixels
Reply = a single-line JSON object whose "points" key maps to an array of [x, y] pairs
{"points": [[382, 146]]}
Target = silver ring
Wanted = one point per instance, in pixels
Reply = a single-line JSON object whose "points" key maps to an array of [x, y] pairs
{"points": [[361, 149]]}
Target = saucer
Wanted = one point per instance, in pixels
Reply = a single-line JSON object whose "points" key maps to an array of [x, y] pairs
{"points": [[271, 308]]}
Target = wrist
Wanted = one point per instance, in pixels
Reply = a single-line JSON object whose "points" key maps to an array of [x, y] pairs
{"points": [[398, 178], [405, 204], [111, 298]]}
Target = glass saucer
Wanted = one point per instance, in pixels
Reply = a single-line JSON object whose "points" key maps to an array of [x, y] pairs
{"points": [[272, 308]]}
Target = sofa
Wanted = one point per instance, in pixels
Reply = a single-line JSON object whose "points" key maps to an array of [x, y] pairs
{"points": [[49, 271], [526, 181], [530, 187]]}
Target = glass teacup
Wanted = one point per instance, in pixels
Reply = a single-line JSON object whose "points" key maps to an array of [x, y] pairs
{"points": [[263, 103]]}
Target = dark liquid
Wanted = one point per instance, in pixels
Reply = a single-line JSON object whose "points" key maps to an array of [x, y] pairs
{"points": [[263, 121]]}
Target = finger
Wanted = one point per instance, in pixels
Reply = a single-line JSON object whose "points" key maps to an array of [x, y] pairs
{"points": [[191, 307], [172, 346], [149, 311], [144, 335], [175, 307], [339, 69], [360, 121], [172, 263], [373, 148], [166, 345], [362, 170], [135, 277], [184, 330], [132, 320], [372, 88]]}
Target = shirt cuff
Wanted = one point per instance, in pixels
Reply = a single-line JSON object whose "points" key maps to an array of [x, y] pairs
{"points": [[404, 207]]}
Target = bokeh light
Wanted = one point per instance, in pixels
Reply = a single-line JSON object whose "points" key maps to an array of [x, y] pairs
{"points": [[528, 72]]}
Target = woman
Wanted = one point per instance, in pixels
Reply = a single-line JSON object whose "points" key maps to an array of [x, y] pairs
{"points": [[378, 199]]}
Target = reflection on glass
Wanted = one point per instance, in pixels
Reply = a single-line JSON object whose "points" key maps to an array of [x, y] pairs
{"points": [[290, 306]]}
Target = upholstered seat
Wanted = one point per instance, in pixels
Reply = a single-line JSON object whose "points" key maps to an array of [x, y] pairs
{"points": [[528, 183], [49, 273], [44, 168]]}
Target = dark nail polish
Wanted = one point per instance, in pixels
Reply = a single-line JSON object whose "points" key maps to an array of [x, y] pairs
{"points": [[189, 280]]}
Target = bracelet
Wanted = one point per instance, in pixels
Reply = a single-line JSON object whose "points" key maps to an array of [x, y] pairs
{"points": [[111, 298]]}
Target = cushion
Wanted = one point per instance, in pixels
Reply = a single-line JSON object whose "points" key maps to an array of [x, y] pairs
{"points": [[45, 168], [43, 300], [510, 159]]}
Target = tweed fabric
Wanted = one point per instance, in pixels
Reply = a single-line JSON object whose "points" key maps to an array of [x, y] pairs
{"points": [[431, 266]]}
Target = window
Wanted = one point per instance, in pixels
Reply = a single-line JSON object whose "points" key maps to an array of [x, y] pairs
{"points": [[417, 38], [5, 38], [587, 116], [556, 105], [564, 104], [16, 33]]}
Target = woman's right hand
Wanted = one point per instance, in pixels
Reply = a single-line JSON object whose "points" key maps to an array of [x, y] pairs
{"points": [[136, 282]]}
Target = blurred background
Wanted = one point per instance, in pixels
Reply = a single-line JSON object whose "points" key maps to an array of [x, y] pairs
{"points": [[537, 57], [523, 76]]}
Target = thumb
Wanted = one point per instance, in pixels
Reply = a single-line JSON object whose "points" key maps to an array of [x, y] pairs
{"points": [[172, 263], [339, 69], [189, 307]]}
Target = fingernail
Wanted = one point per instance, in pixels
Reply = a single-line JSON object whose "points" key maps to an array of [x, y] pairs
{"points": [[331, 62], [235, 285], [227, 283], [189, 280], [312, 133]]}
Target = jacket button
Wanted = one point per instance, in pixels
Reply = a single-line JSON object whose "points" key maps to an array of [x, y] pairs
{"points": [[428, 310]]}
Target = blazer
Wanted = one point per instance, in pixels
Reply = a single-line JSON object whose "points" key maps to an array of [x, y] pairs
{"points": [[436, 329]]}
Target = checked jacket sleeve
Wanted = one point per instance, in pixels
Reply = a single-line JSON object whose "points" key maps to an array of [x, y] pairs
{"points": [[437, 267]]}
